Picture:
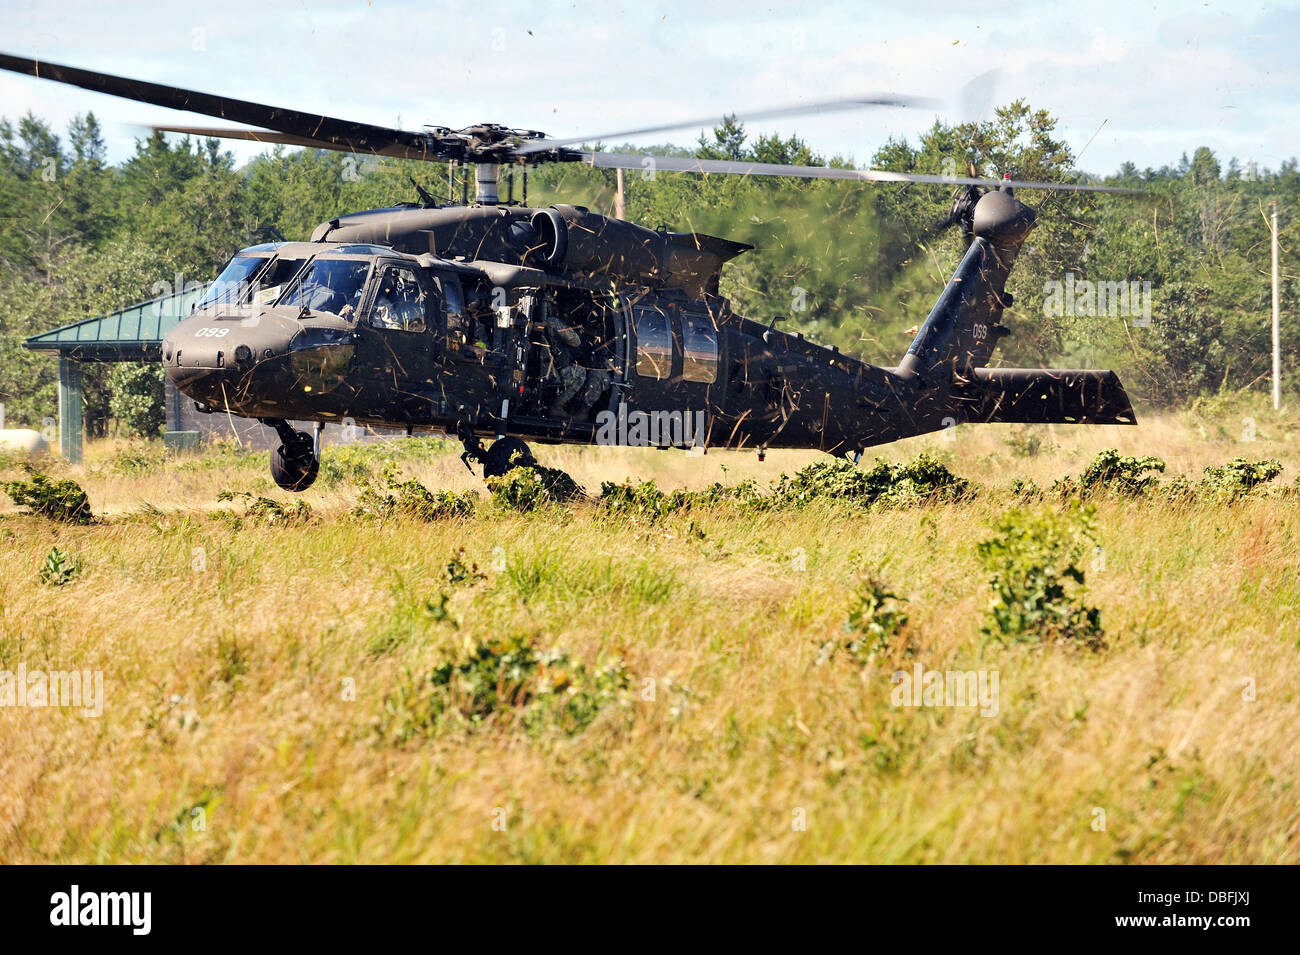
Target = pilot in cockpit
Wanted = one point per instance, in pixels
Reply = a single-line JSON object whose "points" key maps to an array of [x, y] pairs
{"points": [[330, 286], [399, 302]]}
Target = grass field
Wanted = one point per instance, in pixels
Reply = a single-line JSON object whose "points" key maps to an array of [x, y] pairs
{"points": [[607, 689]]}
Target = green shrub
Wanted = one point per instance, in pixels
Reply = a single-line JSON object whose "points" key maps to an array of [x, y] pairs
{"points": [[63, 501], [506, 680], [1025, 442], [410, 498], [921, 480], [875, 621], [59, 568], [643, 500], [459, 572], [1239, 477], [264, 510], [1119, 474], [232, 660], [1037, 582], [526, 488], [1027, 490]]}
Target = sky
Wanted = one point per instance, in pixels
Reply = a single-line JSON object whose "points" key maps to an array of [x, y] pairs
{"points": [[1133, 80]]}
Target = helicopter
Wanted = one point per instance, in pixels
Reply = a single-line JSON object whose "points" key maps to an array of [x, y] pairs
{"points": [[491, 319]]}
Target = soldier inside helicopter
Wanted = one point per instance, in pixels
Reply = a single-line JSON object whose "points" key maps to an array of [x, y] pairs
{"points": [[578, 361], [399, 303], [330, 285]]}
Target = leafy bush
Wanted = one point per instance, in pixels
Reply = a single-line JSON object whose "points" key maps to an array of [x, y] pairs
{"points": [[1239, 477], [874, 622], [411, 499], [1025, 442], [459, 572], [232, 660], [1036, 578], [1027, 490], [59, 568], [503, 680], [1110, 472], [265, 510], [643, 500], [921, 480], [58, 500], [1117, 474], [525, 488]]}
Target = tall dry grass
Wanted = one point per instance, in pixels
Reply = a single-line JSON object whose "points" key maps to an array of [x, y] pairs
{"points": [[249, 672]]}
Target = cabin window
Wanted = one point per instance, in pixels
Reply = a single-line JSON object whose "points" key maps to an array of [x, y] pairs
{"points": [[654, 343], [699, 348], [400, 302]]}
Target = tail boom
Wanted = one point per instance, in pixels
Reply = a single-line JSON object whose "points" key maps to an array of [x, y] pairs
{"points": [[1044, 396]]}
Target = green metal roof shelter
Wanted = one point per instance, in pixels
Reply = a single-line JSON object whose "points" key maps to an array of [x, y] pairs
{"points": [[134, 333]]}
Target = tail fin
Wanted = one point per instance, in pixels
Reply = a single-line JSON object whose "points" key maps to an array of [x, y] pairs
{"points": [[946, 362], [965, 324]]}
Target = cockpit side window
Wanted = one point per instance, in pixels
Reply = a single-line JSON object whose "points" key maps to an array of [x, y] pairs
{"points": [[400, 302], [329, 285]]}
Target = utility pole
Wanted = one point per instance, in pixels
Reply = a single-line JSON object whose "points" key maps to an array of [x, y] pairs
{"points": [[1277, 334], [620, 204]]}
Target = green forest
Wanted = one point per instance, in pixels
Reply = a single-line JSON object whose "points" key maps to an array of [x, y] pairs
{"points": [[848, 263]]}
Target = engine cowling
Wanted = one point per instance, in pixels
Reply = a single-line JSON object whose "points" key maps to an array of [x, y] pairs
{"points": [[576, 239]]}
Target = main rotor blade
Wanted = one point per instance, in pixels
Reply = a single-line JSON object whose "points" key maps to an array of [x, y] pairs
{"points": [[734, 167], [270, 136], [342, 133], [825, 106]]}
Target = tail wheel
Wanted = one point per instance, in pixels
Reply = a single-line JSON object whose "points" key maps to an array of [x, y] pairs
{"points": [[294, 465], [505, 454]]}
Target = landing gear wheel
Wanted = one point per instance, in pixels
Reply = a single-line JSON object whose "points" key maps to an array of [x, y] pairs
{"points": [[294, 465], [505, 454]]}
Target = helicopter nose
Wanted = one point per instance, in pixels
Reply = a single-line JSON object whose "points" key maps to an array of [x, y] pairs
{"points": [[211, 359], [183, 355]]}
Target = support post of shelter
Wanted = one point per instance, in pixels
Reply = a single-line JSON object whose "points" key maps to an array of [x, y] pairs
{"points": [[70, 416]]}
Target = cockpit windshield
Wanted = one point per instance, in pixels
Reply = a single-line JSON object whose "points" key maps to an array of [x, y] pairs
{"points": [[329, 285], [272, 281], [233, 282]]}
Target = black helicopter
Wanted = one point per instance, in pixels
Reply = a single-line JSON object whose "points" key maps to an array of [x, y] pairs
{"points": [[492, 319]]}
